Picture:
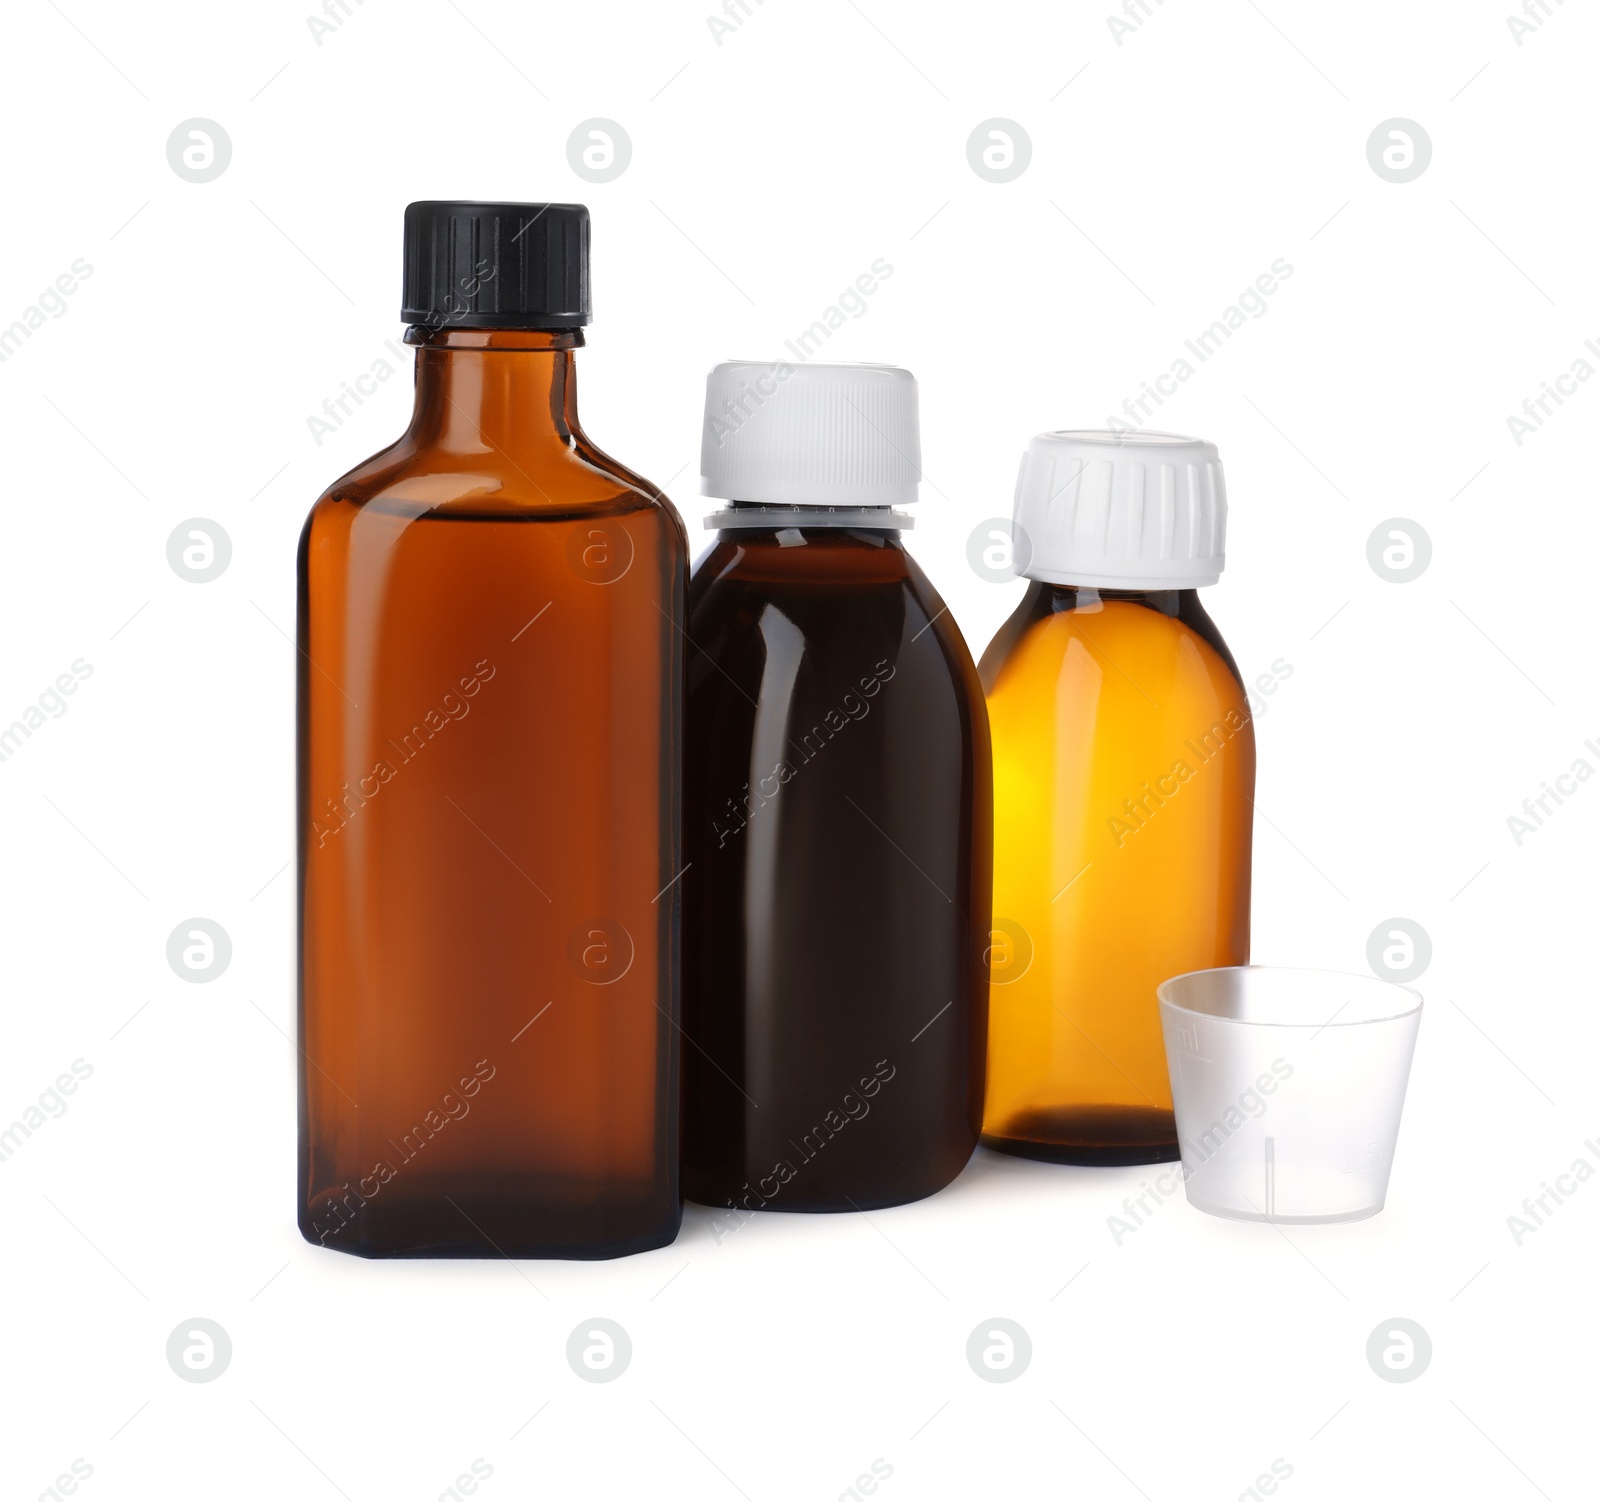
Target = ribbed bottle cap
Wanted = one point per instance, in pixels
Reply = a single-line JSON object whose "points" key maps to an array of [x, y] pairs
{"points": [[496, 265], [811, 435], [1120, 510]]}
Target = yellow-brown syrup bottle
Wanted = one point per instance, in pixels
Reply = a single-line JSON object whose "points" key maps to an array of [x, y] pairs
{"points": [[1124, 773], [491, 722]]}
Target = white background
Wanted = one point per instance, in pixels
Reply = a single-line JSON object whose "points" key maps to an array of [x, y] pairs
{"points": [[768, 172]]}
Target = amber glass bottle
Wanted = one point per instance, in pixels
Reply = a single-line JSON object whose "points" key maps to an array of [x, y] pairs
{"points": [[1124, 773], [490, 719], [837, 818]]}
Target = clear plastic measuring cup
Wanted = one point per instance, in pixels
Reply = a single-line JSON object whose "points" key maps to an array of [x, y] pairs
{"points": [[1287, 1086]]}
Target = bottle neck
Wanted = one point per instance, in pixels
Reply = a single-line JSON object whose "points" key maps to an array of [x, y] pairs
{"points": [[1054, 598], [805, 534], [502, 390], [758, 516], [1044, 599]]}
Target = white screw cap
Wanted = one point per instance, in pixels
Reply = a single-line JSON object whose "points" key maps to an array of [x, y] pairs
{"points": [[1120, 510], [810, 435]]}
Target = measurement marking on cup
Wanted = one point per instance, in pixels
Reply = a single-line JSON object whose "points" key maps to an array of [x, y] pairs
{"points": [[1271, 1171], [533, 1019]]}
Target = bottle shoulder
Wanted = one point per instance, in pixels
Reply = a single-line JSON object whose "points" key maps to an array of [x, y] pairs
{"points": [[800, 560], [763, 625], [825, 585], [557, 482], [1005, 641], [1118, 650]]}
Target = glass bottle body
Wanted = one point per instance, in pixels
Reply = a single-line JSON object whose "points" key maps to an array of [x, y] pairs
{"points": [[490, 686], [837, 827], [1124, 777]]}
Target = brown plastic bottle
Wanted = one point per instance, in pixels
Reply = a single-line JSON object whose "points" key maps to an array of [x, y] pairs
{"points": [[490, 695], [836, 817]]}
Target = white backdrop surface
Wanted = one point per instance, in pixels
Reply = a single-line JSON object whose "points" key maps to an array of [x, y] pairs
{"points": [[180, 336]]}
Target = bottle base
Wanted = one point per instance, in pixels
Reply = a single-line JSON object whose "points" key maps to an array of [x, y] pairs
{"points": [[746, 1196], [460, 1224], [841, 1205], [1090, 1136]]}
